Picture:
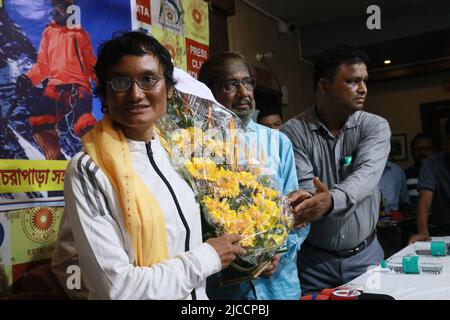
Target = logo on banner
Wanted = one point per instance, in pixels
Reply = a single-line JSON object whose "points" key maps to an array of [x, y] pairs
{"points": [[197, 16], [39, 224], [143, 11], [171, 49], [197, 12], [196, 21], [2, 234], [175, 44], [170, 15]]}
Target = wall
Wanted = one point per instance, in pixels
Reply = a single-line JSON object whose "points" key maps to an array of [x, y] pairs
{"points": [[251, 32], [398, 101]]}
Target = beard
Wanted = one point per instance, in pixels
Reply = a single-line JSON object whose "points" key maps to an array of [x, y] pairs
{"points": [[244, 115]]}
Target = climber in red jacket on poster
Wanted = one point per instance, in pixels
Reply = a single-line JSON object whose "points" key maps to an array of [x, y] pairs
{"points": [[66, 59]]}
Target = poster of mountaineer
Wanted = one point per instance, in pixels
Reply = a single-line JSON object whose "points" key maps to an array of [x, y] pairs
{"points": [[47, 54]]}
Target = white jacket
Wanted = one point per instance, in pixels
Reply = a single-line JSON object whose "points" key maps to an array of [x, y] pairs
{"points": [[93, 235]]}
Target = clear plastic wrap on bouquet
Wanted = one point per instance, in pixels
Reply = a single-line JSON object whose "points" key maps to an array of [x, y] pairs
{"points": [[207, 147]]}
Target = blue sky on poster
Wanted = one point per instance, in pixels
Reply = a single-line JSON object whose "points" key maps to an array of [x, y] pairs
{"points": [[32, 18]]}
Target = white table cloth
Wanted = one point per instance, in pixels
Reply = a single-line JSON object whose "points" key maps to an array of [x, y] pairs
{"points": [[408, 286]]}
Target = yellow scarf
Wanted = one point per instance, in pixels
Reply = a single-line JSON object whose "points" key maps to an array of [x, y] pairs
{"points": [[142, 215]]}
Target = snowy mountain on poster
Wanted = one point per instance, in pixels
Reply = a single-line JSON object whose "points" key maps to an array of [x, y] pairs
{"points": [[17, 55]]}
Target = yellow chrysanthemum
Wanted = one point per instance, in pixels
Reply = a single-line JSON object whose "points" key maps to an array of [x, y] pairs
{"points": [[192, 170], [258, 200], [271, 208], [201, 168], [248, 180], [258, 220], [248, 240], [269, 193], [179, 135], [213, 148], [219, 210], [244, 225], [226, 184]]}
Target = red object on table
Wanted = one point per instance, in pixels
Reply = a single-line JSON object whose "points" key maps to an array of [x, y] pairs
{"points": [[333, 294], [397, 215], [345, 295]]}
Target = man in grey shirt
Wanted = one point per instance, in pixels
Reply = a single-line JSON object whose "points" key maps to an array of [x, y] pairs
{"points": [[346, 148]]}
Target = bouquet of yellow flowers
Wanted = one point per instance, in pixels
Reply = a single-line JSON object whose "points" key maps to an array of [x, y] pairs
{"points": [[206, 146]]}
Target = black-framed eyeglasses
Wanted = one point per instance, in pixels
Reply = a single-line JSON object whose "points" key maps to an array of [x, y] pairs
{"points": [[121, 84], [232, 86]]}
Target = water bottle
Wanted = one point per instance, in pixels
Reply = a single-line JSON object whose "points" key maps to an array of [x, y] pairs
{"points": [[413, 264], [433, 248]]}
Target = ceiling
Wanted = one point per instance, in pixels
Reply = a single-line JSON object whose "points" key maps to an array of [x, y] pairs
{"points": [[304, 13], [414, 34]]}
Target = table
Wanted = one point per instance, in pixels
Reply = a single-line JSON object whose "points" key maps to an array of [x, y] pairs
{"points": [[408, 286]]}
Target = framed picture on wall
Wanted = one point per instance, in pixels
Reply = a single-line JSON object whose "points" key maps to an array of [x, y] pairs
{"points": [[399, 150]]}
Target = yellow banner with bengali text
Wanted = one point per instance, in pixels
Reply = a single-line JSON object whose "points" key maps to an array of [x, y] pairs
{"points": [[32, 175]]}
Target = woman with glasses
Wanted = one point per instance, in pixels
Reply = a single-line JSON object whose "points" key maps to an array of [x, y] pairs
{"points": [[131, 226]]}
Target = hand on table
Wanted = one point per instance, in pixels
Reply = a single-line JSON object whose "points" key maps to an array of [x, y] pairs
{"points": [[419, 237]]}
